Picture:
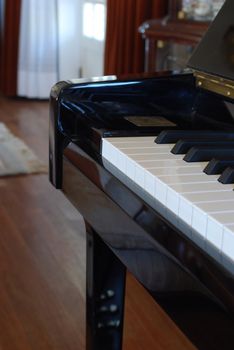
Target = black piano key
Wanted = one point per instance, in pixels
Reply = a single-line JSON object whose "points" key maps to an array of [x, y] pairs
{"points": [[200, 154], [227, 176], [183, 146], [172, 136], [217, 166]]}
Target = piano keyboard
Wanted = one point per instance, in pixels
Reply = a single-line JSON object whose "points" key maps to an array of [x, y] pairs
{"points": [[197, 203]]}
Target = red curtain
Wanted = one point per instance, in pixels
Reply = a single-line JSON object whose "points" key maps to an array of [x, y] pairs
{"points": [[9, 48], [124, 50]]}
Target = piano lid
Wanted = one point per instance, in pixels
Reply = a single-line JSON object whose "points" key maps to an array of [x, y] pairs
{"points": [[213, 59]]}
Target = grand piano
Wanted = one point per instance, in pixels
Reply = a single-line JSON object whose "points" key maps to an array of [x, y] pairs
{"points": [[149, 163]]}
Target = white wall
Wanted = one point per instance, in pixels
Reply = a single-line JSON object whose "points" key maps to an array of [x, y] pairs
{"points": [[70, 37], [79, 56], [2, 4], [92, 54], [54, 46]]}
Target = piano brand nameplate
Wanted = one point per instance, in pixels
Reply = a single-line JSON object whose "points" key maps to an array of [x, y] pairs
{"points": [[148, 121]]}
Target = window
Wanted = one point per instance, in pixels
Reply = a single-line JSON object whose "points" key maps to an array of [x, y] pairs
{"points": [[94, 17]]}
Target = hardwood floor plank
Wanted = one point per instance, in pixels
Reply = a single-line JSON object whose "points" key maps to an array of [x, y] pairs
{"points": [[42, 294], [147, 326], [42, 260]]}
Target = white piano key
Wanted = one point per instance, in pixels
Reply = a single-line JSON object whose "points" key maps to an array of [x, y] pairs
{"points": [[172, 200], [130, 169], [217, 206], [121, 161], [139, 176], [151, 150], [166, 157], [185, 210], [146, 144], [214, 232], [131, 139], [197, 214], [224, 217], [181, 190], [149, 182], [228, 241], [201, 187], [192, 200], [111, 152], [188, 178], [199, 221], [151, 162], [160, 189], [174, 171], [202, 203], [106, 148], [218, 195]]}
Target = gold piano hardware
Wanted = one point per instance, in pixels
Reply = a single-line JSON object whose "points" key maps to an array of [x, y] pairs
{"points": [[215, 84], [160, 44], [181, 15]]}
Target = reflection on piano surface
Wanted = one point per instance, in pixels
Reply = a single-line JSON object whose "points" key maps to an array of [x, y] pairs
{"points": [[149, 163]]}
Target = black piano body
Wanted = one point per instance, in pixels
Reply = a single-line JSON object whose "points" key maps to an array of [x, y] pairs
{"points": [[123, 229]]}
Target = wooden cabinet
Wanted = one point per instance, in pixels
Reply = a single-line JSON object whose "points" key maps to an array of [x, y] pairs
{"points": [[170, 37]]}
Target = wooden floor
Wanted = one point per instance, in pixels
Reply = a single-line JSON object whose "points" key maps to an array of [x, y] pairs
{"points": [[42, 260]]}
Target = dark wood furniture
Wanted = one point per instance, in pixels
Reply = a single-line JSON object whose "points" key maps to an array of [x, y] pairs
{"points": [[173, 29]]}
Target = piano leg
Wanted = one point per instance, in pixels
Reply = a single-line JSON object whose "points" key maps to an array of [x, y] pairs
{"points": [[105, 291]]}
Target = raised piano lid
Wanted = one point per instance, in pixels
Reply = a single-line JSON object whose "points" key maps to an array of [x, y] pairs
{"points": [[213, 59]]}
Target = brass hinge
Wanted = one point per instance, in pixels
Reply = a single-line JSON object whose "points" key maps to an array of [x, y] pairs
{"points": [[215, 84]]}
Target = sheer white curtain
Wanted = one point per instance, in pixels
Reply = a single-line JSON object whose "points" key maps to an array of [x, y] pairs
{"points": [[54, 44], [2, 4], [38, 49], [93, 37]]}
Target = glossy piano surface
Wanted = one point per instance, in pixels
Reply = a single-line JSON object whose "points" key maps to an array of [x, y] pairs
{"points": [[86, 111], [191, 286], [215, 53], [194, 290], [125, 229]]}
